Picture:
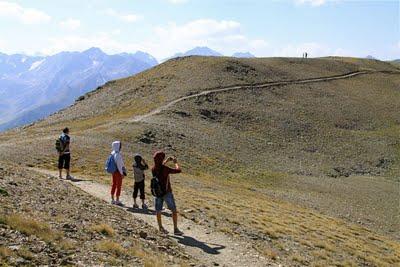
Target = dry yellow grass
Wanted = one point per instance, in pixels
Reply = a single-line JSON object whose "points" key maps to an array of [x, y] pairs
{"points": [[5, 252], [111, 247], [322, 240], [103, 229], [25, 253], [149, 259], [29, 226]]}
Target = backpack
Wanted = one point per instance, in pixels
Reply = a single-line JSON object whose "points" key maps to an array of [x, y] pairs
{"points": [[59, 144], [157, 189], [111, 166]]}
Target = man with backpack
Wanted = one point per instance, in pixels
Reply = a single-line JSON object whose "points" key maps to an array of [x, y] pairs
{"points": [[64, 154], [162, 190]]}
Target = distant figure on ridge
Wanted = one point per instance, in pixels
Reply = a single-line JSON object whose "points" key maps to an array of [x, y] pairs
{"points": [[115, 166], [64, 154], [305, 54], [139, 166], [161, 188]]}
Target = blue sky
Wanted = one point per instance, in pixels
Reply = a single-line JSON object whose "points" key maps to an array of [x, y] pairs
{"points": [[164, 27]]}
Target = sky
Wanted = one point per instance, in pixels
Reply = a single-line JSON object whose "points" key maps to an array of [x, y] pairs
{"points": [[165, 27]]}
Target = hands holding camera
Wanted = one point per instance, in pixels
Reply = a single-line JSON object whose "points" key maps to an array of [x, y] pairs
{"points": [[171, 158]]}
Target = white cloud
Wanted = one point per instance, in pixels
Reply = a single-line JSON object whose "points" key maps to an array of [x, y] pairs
{"points": [[176, 2], [70, 24], [225, 36], [22, 14], [121, 16], [311, 2], [2, 44]]}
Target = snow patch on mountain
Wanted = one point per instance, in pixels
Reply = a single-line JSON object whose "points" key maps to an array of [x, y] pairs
{"points": [[36, 64]]}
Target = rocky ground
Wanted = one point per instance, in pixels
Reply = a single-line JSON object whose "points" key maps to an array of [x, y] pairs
{"points": [[45, 221]]}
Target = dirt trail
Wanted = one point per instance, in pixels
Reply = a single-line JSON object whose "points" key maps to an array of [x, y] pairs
{"points": [[210, 247], [158, 110]]}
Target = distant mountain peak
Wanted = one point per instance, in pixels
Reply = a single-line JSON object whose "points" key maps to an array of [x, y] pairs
{"points": [[197, 51], [243, 55], [370, 57], [94, 51], [202, 51]]}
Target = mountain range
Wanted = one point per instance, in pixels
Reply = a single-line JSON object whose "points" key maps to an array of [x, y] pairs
{"points": [[32, 87], [206, 51]]}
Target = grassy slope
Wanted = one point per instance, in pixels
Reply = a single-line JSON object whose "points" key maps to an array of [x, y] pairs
{"points": [[278, 140]]}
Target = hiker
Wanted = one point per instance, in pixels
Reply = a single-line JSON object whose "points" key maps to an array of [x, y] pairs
{"points": [[118, 174], [305, 54], [162, 172], [64, 154], [139, 166]]}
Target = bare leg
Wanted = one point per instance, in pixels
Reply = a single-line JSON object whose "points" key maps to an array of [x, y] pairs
{"points": [[159, 220], [60, 172], [175, 219], [67, 170]]}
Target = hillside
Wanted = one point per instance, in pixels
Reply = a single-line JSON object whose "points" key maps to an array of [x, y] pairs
{"points": [[310, 167]]}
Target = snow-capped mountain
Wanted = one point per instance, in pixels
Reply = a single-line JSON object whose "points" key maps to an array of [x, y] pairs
{"points": [[34, 87]]}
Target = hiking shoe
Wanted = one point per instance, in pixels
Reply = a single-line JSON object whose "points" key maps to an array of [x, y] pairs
{"points": [[135, 206], [69, 177], [113, 202], [144, 206], [178, 232], [119, 203], [163, 231]]}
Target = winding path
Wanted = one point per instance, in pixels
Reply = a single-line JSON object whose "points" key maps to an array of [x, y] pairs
{"points": [[158, 110]]}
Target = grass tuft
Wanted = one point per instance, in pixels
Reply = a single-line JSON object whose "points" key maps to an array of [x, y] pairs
{"points": [[111, 247], [25, 253], [29, 226], [103, 229], [5, 252]]}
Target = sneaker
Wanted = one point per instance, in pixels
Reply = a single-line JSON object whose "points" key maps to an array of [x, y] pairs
{"points": [[69, 177], [135, 206], [178, 232], [144, 206], [163, 230], [119, 203], [113, 202]]}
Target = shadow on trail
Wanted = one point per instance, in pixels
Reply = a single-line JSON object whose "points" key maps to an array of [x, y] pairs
{"points": [[192, 242], [76, 180], [147, 212]]}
